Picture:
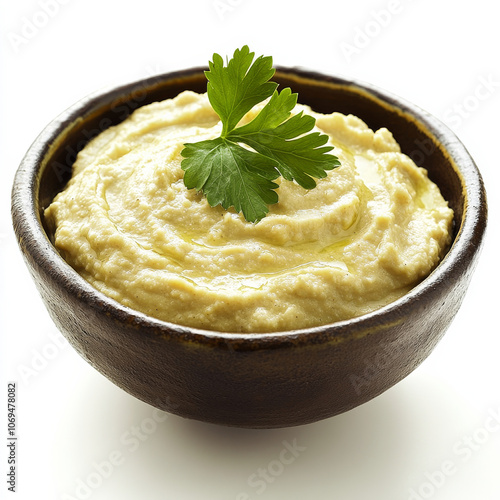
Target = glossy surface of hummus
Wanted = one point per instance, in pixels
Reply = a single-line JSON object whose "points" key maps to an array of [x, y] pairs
{"points": [[368, 232]]}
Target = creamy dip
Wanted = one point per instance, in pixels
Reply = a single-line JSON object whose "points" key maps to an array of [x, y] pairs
{"points": [[369, 232]]}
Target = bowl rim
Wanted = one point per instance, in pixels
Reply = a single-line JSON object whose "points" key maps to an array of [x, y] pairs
{"points": [[468, 238]]}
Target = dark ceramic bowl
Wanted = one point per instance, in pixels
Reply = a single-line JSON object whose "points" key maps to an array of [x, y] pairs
{"points": [[252, 380]]}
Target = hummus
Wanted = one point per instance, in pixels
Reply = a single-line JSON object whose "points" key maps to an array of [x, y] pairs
{"points": [[369, 232]]}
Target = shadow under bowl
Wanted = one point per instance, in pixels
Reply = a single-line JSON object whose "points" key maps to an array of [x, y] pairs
{"points": [[252, 380]]}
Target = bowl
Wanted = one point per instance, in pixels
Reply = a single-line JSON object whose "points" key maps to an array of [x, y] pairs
{"points": [[252, 380]]}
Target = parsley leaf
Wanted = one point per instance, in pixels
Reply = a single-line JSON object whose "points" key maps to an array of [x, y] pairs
{"points": [[235, 89], [233, 175]]}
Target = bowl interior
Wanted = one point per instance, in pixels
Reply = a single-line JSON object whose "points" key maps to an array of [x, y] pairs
{"points": [[323, 93]]}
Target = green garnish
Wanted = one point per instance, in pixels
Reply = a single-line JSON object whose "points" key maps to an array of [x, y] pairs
{"points": [[233, 175]]}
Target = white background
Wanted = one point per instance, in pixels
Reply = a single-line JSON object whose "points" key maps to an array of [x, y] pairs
{"points": [[77, 428]]}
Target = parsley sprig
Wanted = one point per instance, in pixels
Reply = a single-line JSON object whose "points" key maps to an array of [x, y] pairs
{"points": [[238, 168]]}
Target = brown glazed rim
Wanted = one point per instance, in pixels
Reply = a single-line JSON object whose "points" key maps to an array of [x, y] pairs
{"points": [[467, 236]]}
